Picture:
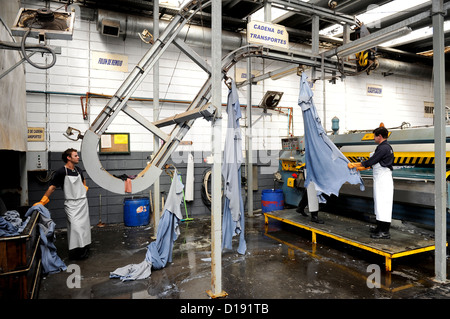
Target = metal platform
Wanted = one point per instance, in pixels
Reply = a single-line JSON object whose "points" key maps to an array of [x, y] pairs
{"points": [[357, 233]]}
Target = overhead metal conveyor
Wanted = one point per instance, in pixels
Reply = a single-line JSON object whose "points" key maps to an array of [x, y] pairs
{"points": [[199, 107]]}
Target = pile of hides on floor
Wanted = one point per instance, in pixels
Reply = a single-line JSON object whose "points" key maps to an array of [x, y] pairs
{"points": [[159, 252]]}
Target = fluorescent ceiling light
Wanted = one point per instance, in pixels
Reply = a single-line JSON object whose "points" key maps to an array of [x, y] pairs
{"points": [[174, 4], [276, 13], [375, 13], [423, 33], [367, 42]]}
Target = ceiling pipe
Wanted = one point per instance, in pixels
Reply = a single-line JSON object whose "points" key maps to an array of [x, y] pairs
{"points": [[392, 67]]}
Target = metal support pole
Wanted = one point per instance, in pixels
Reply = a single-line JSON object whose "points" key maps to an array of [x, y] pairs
{"points": [[268, 11], [23, 179], [156, 185], [216, 142], [346, 35], [439, 140], [315, 35], [324, 120], [346, 39], [248, 141]]}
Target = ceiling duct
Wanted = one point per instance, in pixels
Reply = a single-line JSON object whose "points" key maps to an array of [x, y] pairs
{"points": [[131, 26], [110, 27], [55, 25]]}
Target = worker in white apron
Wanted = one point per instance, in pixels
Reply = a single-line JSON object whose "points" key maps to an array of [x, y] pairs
{"points": [[383, 192], [383, 185], [70, 179], [77, 212]]}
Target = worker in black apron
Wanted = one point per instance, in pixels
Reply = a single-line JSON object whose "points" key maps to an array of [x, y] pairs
{"points": [[71, 180]]}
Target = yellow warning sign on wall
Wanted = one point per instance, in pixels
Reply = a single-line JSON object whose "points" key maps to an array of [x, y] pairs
{"points": [[121, 139], [36, 134]]}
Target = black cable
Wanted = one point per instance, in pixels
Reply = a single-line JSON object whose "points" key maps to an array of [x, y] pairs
{"points": [[204, 191], [206, 196], [23, 47]]}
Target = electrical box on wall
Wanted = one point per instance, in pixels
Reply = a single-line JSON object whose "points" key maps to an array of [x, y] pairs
{"points": [[37, 161]]}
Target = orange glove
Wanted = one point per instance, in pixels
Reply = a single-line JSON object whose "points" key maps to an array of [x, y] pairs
{"points": [[354, 165], [358, 166], [86, 188], [44, 201]]}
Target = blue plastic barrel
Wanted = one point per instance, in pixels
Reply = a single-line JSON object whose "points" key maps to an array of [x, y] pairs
{"points": [[136, 211], [272, 199]]}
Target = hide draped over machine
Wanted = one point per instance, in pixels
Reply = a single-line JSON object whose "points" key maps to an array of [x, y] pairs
{"points": [[325, 164]]}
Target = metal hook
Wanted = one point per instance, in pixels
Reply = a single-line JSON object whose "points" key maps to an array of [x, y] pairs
{"points": [[167, 169], [69, 132], [145, 35], [228, 84]]}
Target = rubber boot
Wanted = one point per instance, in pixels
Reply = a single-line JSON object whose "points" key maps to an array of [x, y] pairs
{"points": [[376, 229], [79, 253], [302, 204], [301, 211], [386, 228], [315, 218], [85, 252], [75, 253], [384, 231]]}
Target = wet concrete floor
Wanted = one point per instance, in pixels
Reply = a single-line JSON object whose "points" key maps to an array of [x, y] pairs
{"points": [[282, 264]]}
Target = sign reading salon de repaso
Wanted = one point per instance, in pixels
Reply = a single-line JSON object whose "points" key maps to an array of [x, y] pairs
{"points": [[267, 34]]}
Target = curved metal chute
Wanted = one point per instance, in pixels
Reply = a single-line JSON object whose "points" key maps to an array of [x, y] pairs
{"points": [[107, 181]]}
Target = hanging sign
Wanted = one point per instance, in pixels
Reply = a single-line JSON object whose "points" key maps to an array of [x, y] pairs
{"points": [[108, 61], [268, 34]]}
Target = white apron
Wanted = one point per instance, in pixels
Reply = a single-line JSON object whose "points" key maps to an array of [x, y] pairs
{"points": [[313, 201], [383, 192], [77, 212]]}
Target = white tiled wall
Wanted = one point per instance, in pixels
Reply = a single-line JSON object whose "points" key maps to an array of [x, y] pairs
{"points": [[180, 79]]}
